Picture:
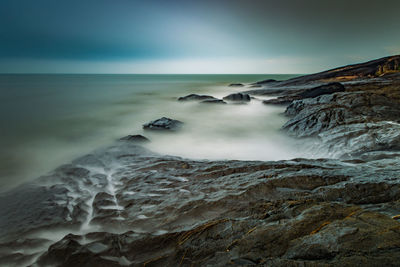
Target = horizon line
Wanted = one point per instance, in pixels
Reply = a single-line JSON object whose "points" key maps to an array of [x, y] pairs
{"points": [[77, 73]]}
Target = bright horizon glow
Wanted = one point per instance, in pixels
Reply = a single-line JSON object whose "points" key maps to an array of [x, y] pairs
{"points": [[168, 66]]}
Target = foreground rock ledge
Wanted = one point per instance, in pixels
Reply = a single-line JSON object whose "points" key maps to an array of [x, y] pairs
{"points": [[167, 211]]}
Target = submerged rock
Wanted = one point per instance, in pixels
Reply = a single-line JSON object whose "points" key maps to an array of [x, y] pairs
{"points": [[196, 97], [237, 97], [163, 124], [135, 138], [236, 85], [214, 101]]}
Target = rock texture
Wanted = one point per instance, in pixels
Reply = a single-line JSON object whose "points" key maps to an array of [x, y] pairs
{"points": [[238, 97], [196, 97], [324, 89], [126, 206], [163, 124]]}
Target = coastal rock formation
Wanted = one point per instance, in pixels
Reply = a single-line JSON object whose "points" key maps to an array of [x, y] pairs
{"points": [[124, 205], [268, 81], [163, 124], [196, 97], [324, 89], [349, 123], [377, 72], [238, 97]]}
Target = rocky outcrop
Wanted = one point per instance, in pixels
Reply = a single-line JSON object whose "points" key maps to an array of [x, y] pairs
{"points": [[370, 69], [163, 124], [369, 73], [324, 89], [238, 97], [196, 97], [267, 81], [128, 206]]}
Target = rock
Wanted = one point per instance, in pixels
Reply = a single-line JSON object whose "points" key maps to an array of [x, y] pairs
{"points": [[167, 211], [329, 88], [135, 138], [195, 97], [237, 97], [163, 124], [279, 101], [324, 89], [236, 85], [268, 81], [213, 101]]}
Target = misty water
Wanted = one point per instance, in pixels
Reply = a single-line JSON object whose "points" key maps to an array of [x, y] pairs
{"points": [[48, 120]]}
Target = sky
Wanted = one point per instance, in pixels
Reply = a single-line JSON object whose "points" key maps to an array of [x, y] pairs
{"points": [[194, 36]]}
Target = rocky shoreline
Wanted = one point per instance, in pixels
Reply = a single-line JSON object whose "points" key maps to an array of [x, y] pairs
{"points": [[127, 206]]}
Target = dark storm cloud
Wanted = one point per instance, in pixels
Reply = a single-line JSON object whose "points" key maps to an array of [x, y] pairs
{"points": [[131, 29]]}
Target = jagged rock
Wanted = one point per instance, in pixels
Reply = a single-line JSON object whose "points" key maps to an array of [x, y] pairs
{"points": [[237, 97], [163, 124], [155, 210], [254, 212], [135, 138], [314, 115], [213, 101], [196, 97]]}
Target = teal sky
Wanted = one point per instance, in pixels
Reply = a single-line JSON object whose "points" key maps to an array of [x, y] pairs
{"points": [[176, 36]]}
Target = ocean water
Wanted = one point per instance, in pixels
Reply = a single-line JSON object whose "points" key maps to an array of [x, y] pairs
{"points": [[48, 120]]}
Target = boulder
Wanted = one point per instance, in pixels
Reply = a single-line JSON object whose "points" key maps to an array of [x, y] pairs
{"points": [[196, 97], [137, 138], [163, 124], [237, 97]]}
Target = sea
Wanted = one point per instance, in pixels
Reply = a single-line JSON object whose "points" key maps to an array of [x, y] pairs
{"points": [[48, 120]]}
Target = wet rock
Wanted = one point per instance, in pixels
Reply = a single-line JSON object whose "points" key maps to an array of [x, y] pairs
{"points": [[268, 81], [214, 101], [237, 97], [279, 101], [135, 138], [196, 97], [163, 124], [167, 211], [236, 85], [325, 89]]}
